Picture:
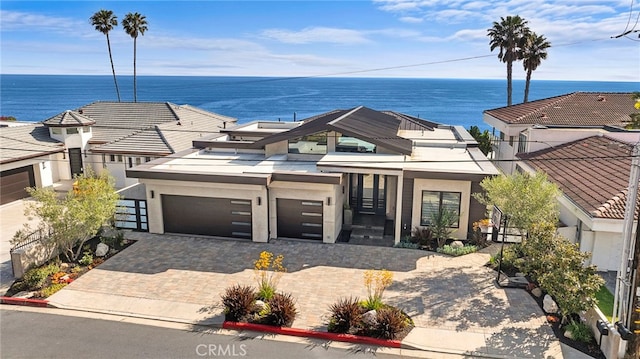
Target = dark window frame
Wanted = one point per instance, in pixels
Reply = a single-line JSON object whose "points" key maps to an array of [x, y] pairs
{"points": [[426, 221]]}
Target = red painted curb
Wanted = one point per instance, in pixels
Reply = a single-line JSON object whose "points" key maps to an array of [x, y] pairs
{"points": [[25, 301], [312, 334]]}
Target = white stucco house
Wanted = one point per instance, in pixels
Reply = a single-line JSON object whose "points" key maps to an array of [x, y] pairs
{"points": [[267, 180], [580, 141], [109, 136]]}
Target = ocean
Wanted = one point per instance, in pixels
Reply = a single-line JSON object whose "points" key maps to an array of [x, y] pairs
{"points": [[449, 101]]}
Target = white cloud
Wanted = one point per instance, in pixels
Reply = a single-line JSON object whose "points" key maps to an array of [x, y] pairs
{"points": [[315, 35], [32, 22], [411, 19]]}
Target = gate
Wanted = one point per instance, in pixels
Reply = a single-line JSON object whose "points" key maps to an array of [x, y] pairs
{"points": [[132, 214]]}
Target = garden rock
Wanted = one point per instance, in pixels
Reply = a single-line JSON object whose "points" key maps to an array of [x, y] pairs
{"points": [[549, 305], [24, 294], [102, 250], [259, 305], [64, 266], [457, 244], [369, 318], [537, 292], [568, 334]]}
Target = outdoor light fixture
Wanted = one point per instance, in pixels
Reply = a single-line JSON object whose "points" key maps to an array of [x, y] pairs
{"points": [[328, 201], [603, 329], [259, 200], [153, 194], [624, 332]]}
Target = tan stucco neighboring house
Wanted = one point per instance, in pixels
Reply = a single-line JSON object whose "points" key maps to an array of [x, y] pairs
{"points": [[109, 136], [266, 180], [593, 174]]}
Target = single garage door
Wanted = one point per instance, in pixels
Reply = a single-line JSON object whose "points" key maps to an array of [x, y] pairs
{"points": [[221, 217], [13, 183], [299, 219]]}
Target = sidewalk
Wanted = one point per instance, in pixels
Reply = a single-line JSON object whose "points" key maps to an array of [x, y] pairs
{"points": [[455, 305]]}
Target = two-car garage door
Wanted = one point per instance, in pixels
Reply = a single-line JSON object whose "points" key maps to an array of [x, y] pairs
{"points": [[13, 183], [222, 217]]}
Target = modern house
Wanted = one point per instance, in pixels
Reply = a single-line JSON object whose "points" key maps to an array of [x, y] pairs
{"points": [[580, 141], [103, 135], [266, 180]]}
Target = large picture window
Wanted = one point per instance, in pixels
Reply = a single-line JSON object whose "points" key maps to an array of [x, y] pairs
{"points": [[310, 144], [434, 201]]}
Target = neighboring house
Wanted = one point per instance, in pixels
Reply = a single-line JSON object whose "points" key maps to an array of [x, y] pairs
{"points": [[580, 141], [593, 174], [268, 180], [545, 123], [29, 157], [103, 135]]}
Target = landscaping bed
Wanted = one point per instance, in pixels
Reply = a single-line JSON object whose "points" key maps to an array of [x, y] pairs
{"points": [[43, 281]]}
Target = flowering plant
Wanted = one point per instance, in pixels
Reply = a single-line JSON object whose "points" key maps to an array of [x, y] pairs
{"points": [[268, 271], [376, 281]]}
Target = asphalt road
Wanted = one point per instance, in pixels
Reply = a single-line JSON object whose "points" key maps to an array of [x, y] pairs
{"points": [[28, 334]]}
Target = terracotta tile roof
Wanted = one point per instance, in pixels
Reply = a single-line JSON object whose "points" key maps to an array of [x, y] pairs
{"points": [[592, 172], [574, 109], [26, 141]]}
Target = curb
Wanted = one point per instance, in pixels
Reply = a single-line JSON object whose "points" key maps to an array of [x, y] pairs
{"points": [[349, 338], [25, 301]]}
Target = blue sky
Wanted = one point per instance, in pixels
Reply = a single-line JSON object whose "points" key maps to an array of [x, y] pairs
{"points": [[379, 38]]}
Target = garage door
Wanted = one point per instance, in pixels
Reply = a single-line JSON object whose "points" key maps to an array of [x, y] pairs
{"points": [[299, 219], [13, 183], [221, 217]]}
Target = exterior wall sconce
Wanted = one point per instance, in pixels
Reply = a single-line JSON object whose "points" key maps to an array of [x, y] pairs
{"points": [[328, 201], [603, 329], [153, 194], [624, 332], [259, 200]]}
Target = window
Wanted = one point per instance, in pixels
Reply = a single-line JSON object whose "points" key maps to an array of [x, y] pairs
{"points": [[511, 141], [433, 202], [138, 160], [353, 144], [502, 136], [119, 158], [56, 131], [147, 159], [72, 131], [522, 143], [311, 144], [112, 158]]}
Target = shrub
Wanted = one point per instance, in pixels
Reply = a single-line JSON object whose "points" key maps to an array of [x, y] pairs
{"points": [[282, 310], [376, 281], [580, 332], [406, 242], [268, 271], [511, 258], [238, 302], [86, 259], [346, 313], [36, 278], [423, 236], [50, 290], [390, 322], [457, 251]]}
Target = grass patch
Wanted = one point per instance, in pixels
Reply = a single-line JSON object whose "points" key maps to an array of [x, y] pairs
{"points": [[605, 302]]}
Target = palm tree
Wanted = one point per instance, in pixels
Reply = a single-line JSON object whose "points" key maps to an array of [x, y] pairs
{"points": [[507, 35], [134, 24], [533, 52], [104, 21]]}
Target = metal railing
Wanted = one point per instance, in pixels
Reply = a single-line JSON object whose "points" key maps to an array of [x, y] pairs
{"points": [[31, 239]]}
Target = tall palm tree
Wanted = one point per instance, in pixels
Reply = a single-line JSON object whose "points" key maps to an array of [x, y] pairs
{"points": [[134, 24], [507, 35], [104, 21], [534, 51]]}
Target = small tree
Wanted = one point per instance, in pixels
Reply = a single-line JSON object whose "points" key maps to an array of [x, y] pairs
{"points": [[527, 199], [483, 138], [441, 225], [79, 216]]}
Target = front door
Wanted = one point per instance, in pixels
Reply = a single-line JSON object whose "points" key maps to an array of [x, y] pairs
{"points": [[75, 160], [368, 193]]}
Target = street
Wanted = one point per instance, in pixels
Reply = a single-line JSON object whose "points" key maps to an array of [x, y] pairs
{"points": [[34, 333]]}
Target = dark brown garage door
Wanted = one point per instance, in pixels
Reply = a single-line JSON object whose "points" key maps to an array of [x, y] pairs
{"points": [[13, 183], [221, 217], [299, 219]]}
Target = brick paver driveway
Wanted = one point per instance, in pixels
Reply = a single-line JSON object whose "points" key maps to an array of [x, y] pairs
{"points": [[436, 290]]}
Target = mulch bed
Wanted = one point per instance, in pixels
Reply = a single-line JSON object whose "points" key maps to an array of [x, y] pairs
{"points": [[592, 348]]}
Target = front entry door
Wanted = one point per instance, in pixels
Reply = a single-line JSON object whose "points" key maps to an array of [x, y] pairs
{"points": [[75, 160], [369, 190]]}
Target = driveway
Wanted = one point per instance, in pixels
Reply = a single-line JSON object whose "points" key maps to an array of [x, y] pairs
{"points": [[12, 219], [181, 278]]}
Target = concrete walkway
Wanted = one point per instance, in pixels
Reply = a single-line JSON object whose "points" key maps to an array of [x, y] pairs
{"points": [[453, 301]]}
